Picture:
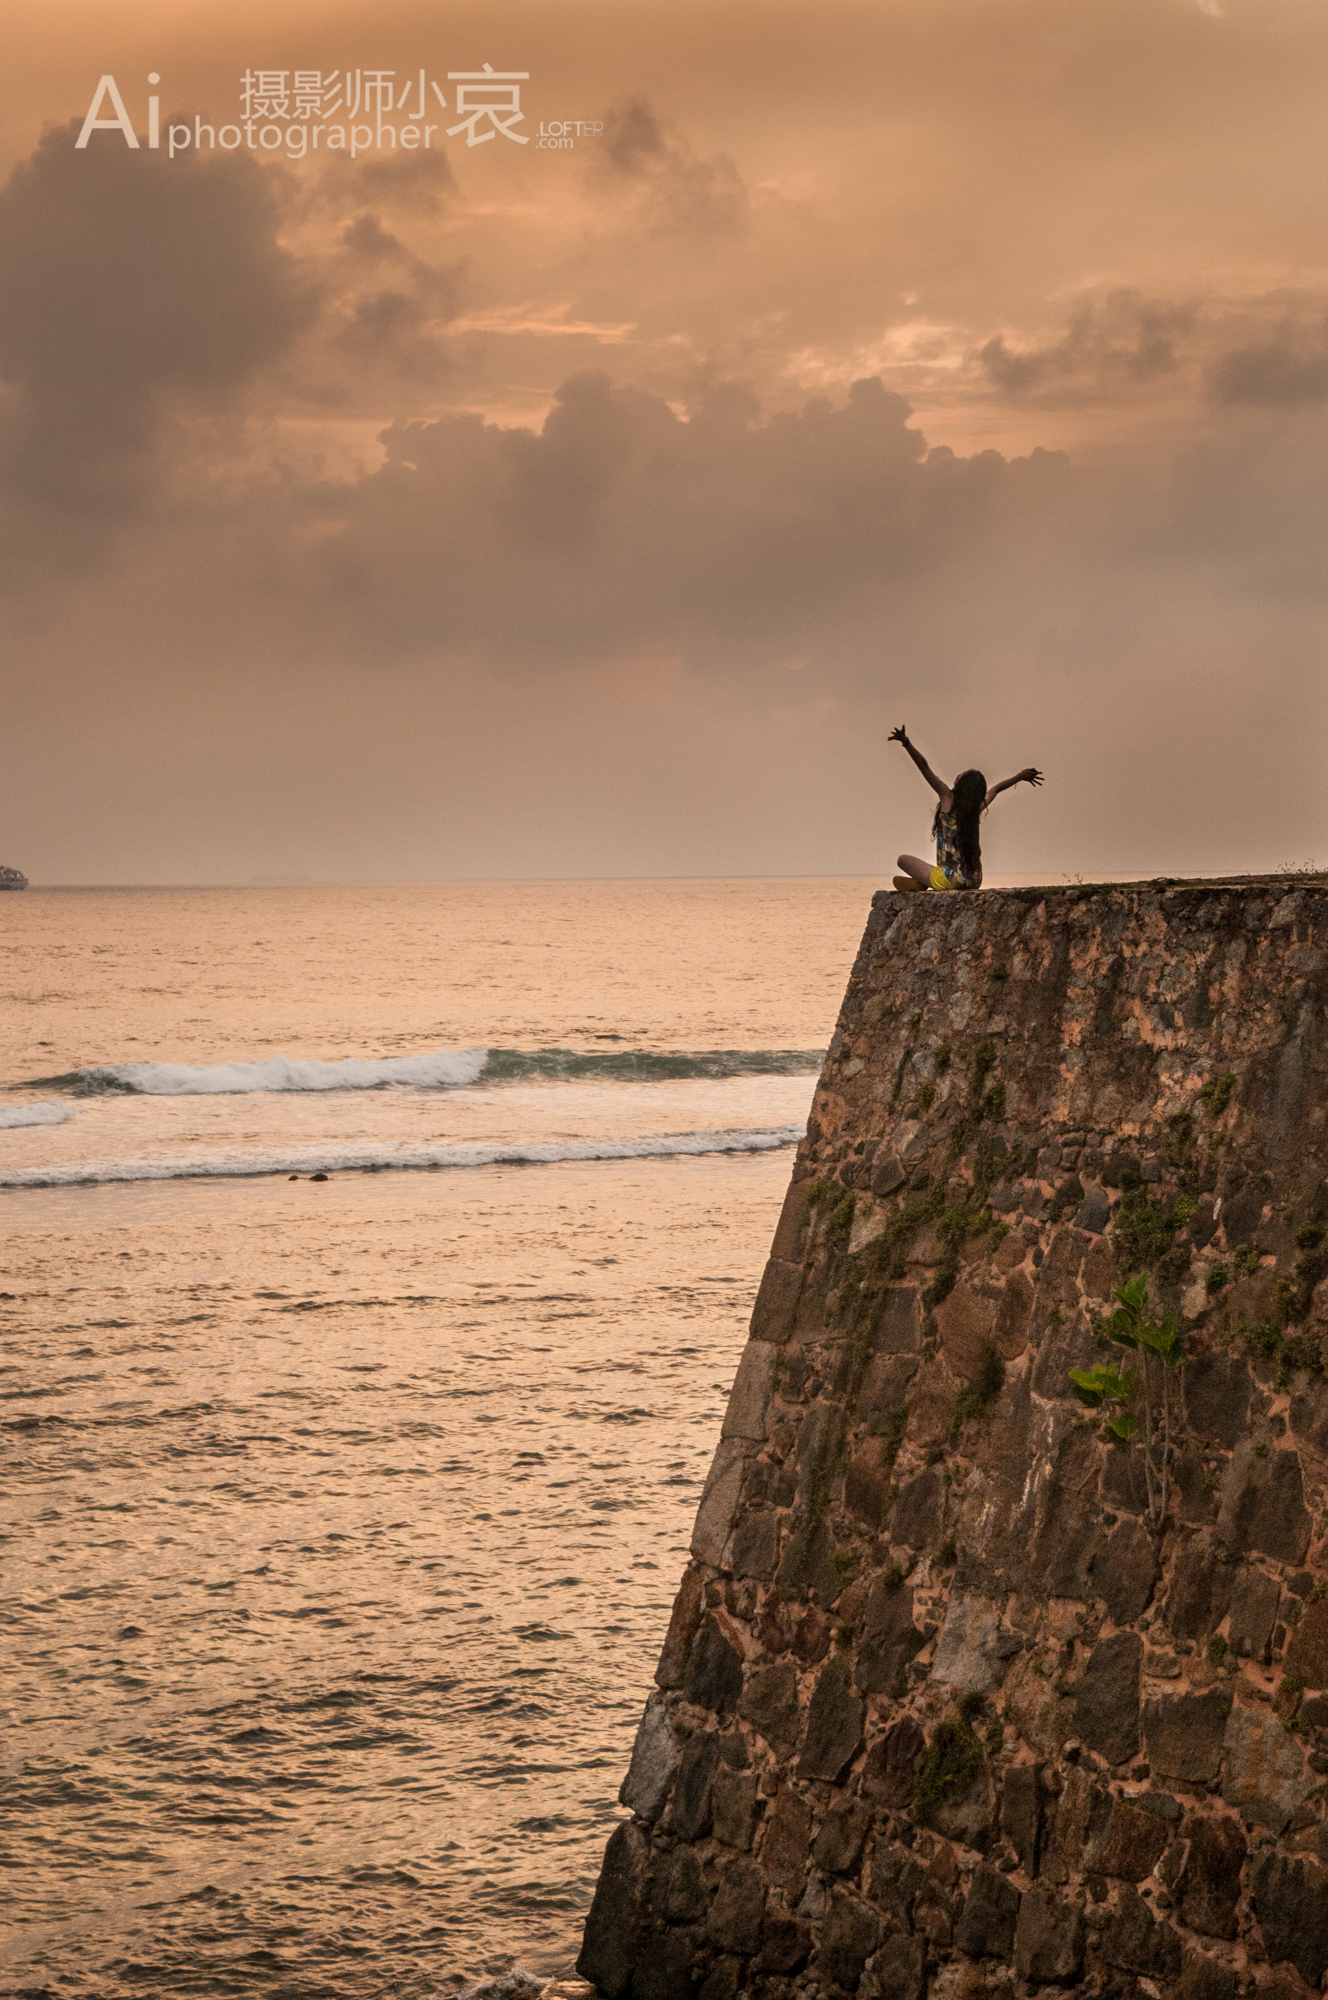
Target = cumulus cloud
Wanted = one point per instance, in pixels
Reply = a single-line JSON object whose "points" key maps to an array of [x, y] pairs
{"points": [[620, 526]]}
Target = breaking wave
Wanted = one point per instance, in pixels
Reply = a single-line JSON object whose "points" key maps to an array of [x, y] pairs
{"points": [[377, 1159], [43, 1112], [438, 1069]]}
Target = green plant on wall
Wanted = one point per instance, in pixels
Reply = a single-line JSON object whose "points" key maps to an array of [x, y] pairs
{"points": [[1161, 1352], [1105, 1389]]}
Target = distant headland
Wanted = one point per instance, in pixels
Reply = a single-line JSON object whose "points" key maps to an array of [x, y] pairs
{"points": [[12, 878]]}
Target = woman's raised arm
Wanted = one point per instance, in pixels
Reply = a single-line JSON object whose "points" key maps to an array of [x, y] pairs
{"points": [[1031, 776], [938, 785]]}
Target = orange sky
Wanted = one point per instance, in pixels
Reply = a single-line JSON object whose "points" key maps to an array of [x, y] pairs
{"points": [[508, 510]]}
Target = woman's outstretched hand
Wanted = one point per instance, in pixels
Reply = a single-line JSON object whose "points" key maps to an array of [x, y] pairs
{"points": [[1031, 776], [899, 735]]}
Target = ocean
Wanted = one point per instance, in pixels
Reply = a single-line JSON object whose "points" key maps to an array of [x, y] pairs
{"points": [[343, 1516]]}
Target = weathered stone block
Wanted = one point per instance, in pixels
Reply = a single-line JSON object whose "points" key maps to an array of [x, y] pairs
{"points": [[770, 1703], [714, 1671], [1217, 1396], [1307, 1653], [1265, 1768], [1263, 1505], [734, 1922], [753, 1386], [968, 1654], [838, 1847], [933, 1915], [897, 1971], [1094, 1211], [893, 1880], [1021, 1814], [966, 1322], [724, 1979], [1205, 1979], [688, 1606], [719, 1502], [612, 1938], [919, 1512], [867, 1486], [791, 1231], [689, 1813], [756, 1545], [1184, 1734], [1049, 1939], [786, 1843], [1133, 1941], [1131, 1845], [987, 1924], [1074, 1821], [1290, 1900], [1123, 1572], [885, 1390], [1309, 1416], [733, 1803], [1200, 1592], [890, 1639], [663, 1971], [785, 1943], [679, 1892], [1106, 1709], [1254, 1600], [776, 1298], [834, 1724], [654, 1761], [897, 1326], [808, 1565], [851, 1935], [1210, 1884], [887, 1175], [891, 1770]]}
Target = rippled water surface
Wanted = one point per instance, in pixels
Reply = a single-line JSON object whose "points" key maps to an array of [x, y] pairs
{"points": [[343, 1517]]}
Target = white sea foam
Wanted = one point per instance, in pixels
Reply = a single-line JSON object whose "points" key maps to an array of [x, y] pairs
{"points": [[46, 1111], [433, 1069], [436, 1068], [368, 1159]]}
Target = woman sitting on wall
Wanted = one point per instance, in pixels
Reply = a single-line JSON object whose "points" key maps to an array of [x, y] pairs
{"points": [[955, 823]]}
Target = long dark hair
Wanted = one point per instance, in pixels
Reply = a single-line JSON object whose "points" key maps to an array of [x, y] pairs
{"points": [[968, 802]]}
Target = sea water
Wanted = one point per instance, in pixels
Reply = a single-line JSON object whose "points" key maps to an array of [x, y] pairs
{"points": [[343, 1516]]}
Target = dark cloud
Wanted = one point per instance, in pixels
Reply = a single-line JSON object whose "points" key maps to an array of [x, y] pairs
{"points": [[392, 326], [1111, 343], [682, 189], [136, 289], [409, 183], [1278, 374]]}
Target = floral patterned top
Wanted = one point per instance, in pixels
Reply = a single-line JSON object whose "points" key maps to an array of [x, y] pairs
{"points": [[948, 858]]}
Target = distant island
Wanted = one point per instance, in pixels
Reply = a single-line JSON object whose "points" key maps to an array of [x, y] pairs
{"points": [[12, 878]]}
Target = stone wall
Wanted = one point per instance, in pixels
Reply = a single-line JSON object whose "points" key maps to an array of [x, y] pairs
{"points": [[947, 1701]]}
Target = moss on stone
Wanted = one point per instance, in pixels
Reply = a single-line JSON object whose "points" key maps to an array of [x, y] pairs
{"points": [[949, 1766]]}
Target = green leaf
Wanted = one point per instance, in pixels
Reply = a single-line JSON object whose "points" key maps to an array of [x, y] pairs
{"points": [[1121, 1429], [1102, 1385]]}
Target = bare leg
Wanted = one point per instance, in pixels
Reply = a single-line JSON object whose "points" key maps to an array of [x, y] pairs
{"points": [[919, 870]]}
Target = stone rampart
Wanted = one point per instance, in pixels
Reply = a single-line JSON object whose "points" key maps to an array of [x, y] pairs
{"points": [[955, 1694]]}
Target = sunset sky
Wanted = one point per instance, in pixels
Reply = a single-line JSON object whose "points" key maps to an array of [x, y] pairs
{"points": [[503, 510]]}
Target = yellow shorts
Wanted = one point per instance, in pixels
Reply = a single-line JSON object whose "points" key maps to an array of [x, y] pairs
{"points": [[940, 880]]}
